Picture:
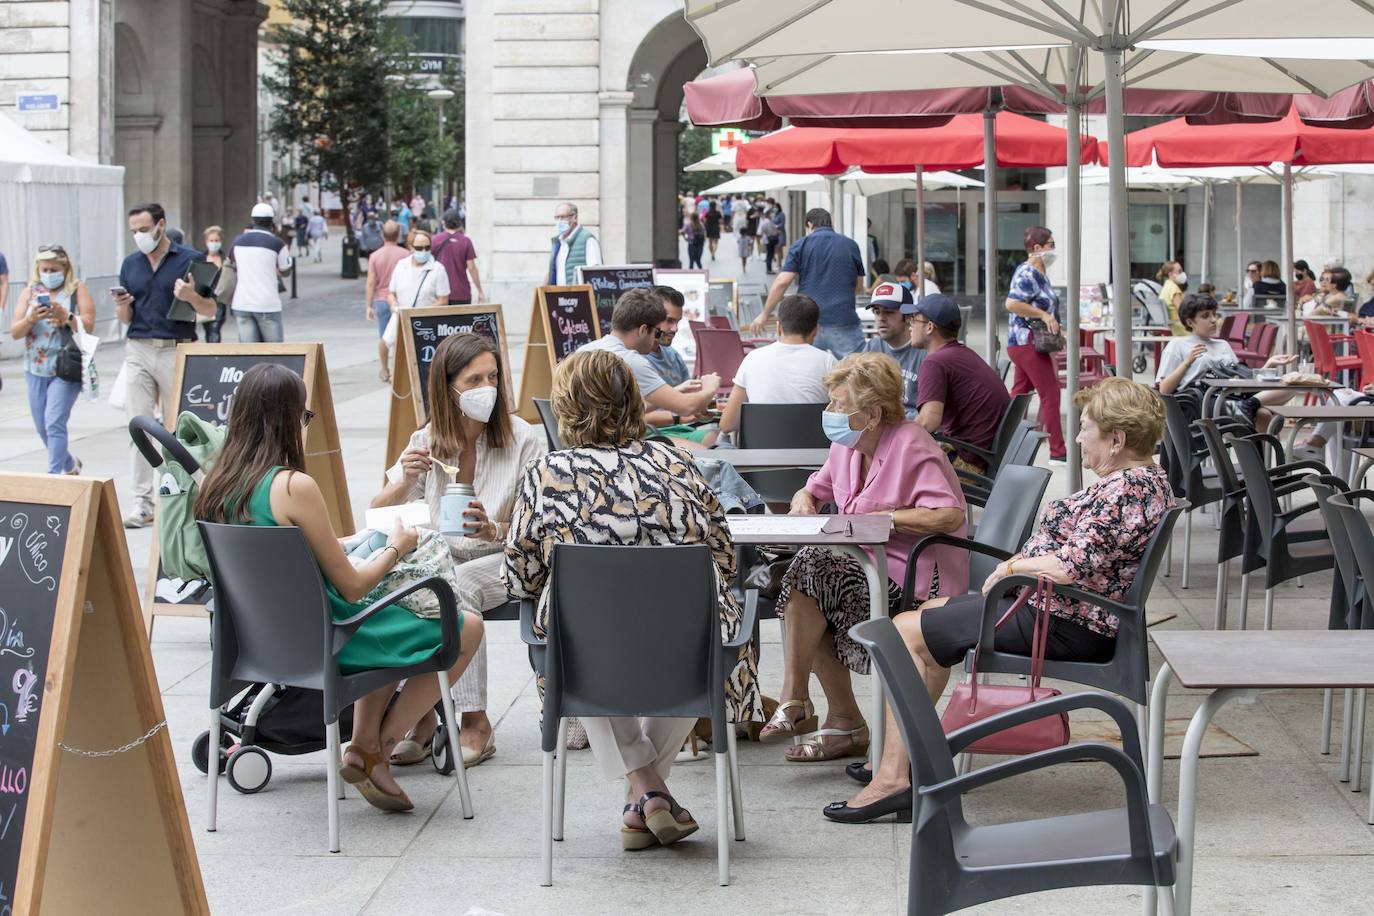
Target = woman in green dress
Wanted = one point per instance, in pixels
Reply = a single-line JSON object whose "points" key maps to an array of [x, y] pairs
{"points": [[259, 479]]}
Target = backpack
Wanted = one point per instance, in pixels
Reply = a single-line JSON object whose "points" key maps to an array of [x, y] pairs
{"points": [[183, 552], [371, 236]]}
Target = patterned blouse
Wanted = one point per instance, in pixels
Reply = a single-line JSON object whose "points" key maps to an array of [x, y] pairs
{"points": [[1099, 534], [44, 339], [1030, 286], [641, 493]]}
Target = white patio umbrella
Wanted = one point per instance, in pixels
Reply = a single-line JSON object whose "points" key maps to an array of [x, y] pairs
{"points": [[857, 181], [723, 161]]}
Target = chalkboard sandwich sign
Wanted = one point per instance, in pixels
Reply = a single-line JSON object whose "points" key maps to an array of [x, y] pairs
{"points": [[418, 335], [562, 319], [609, 283], [92, 818]]}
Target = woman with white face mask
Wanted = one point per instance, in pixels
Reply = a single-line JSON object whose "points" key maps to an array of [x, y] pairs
{"points": [[53, 301], [1031, 298], [417, 282], [1173, 281], [471, 428], [213, 237]]}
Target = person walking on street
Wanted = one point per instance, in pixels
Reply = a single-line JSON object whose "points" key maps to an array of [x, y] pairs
{"points": [[150, 279], [573, 247], [316, 231], [827, 267], [694, 233], [712, 221], [768, 229], [1032, 299], [261, 258], [416, 283], [52, 303], [454, 250], [213, 237]]}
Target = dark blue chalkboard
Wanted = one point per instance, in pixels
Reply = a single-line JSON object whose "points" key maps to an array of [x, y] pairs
{"points": [[32, 541]]}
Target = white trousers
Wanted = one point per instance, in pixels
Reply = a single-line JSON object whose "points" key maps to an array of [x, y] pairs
{"points": [[149, 369], [478, 587], [626, 743]]}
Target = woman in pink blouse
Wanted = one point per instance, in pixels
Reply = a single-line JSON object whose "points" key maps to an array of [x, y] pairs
{"points": [[1093, 539], [880, 464]]}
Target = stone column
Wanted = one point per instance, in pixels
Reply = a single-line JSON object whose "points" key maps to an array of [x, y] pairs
{"points": [[639, 185], [665, 188], [615, 148]]}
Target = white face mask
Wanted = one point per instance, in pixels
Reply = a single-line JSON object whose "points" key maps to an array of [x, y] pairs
{"points": [[1181, 277], [1048, 256], [478, 403], [213, 246], [147, 241]]}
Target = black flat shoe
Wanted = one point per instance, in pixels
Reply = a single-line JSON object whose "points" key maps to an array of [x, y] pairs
{"points": [[858, 772], [898, 804]]}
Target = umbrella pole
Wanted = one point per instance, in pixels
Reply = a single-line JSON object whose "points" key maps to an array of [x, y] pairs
{"points": [[921, 231], [1120, 230], [1240, 238], [990, 232], [1207, 232], [1171, 225], [1073, 242], [1288, 256]]}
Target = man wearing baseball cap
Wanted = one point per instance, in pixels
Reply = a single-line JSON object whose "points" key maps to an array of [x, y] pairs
{"points": [[260, 257], [893, 308], [959, 394]]}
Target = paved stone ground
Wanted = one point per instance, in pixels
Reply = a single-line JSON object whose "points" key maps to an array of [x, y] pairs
{"points": [[1277, 832]]}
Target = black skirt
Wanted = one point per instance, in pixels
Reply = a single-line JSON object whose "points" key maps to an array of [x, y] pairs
{"points": [[952, 630]]}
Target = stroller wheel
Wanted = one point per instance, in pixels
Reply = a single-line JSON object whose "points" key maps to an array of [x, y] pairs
{"points": [[438, 751], [249, 769], [1139, 364], [200, 750]]}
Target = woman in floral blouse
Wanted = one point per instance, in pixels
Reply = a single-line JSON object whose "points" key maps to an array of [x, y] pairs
{"points": [[1032, 298], [1093, 539], [609, 486]]}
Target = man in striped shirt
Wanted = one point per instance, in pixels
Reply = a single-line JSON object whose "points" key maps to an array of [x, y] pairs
{"points": [[261, 257]]}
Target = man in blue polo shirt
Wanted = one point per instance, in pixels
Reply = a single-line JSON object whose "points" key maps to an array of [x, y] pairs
{"points": [[828, 268], [154, 279]]}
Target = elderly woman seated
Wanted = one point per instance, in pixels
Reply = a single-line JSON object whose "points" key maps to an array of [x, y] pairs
{"points": [[609, 486], [1093, 539], [880, 464]]}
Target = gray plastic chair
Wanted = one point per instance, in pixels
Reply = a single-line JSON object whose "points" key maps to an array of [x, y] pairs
{"points": [[955, 864], [1127, 672], [550, 424], [780, 426], [272, 624], [1021, 452], [607, 606], [1006, 430], [1004, 525]]}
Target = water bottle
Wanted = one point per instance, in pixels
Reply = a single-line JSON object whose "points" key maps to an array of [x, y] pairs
{"points": [[455, 501]]}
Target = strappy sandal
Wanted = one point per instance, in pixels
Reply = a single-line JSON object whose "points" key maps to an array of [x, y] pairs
{"points": [[361, 779], [664, 824], [754, 728], [634, 839], [817, 749], [409, 752], [782, 727]]}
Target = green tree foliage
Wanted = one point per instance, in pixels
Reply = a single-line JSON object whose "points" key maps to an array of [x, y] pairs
{"points": [[694, 145], [328, 74], [416, 154]]}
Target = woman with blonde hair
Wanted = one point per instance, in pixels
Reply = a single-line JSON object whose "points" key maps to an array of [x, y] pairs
{"points": [[1093, 539], [880, 463], [1174, 280], [48, 310], [610, 486]]}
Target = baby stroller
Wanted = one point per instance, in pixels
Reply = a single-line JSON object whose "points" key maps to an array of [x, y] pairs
{"points": [[267, 718]]}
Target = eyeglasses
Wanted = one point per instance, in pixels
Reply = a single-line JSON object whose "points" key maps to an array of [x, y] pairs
{"points": [[660, 335], [307, 417], [1252, 270]]}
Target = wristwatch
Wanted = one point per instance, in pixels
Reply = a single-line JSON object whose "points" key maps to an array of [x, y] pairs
{"points": [[677, 418]]}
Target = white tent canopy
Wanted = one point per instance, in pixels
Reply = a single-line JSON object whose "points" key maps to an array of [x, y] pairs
{"points": [[858, 182]]}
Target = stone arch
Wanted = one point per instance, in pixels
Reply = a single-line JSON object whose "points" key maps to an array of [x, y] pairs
{"points": [[669, 55], [130, 65], [207, 97]]}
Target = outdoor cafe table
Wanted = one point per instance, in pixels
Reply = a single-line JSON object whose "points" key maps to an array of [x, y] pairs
{"points": [[846, 534], [768, 459], [1323, 413], [1234, 664], [1218, 388]]}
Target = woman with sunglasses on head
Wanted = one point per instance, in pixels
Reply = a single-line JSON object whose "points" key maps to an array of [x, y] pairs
{"points": [[471, 428], [417, 282], [53, 302]]}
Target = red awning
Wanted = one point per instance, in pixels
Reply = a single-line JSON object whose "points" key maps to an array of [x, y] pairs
{"points": [[1178, 144]]}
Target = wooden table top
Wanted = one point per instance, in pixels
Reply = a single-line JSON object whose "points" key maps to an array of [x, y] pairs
{"points": [[1323, 411], [1210, 659], [1254, 384], [867, 531], [757, 459]]}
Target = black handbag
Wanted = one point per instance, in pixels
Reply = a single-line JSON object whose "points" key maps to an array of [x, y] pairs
{"points": [[68, 367], [1042, 339]]}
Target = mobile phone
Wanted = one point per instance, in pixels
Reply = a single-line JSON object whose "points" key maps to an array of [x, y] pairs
{"points": [[44, 300], [118, 291]]}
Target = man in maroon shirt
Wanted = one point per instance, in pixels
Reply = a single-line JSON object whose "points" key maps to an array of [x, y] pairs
{"points": [[454, 250], [957, 393]]}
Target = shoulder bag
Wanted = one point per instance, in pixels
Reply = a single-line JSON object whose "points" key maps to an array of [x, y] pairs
{"points": [[971, 702], [1042, 339], [69, 361]]}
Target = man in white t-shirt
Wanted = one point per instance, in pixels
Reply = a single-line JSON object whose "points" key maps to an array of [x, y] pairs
{"points": [[787, 372], [260, 258]]}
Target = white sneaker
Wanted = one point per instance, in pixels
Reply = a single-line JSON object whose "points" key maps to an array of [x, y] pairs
{"points": [[139, 518]]}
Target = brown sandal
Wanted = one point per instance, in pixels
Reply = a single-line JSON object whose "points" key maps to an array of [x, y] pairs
{"points": [[817, 749], [664, 824], [634, 839], [361, 779]]}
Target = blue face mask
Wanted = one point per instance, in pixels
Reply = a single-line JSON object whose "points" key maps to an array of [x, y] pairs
{"points": [[906, 284], [421, 257], [52, 279], [835, 425]]}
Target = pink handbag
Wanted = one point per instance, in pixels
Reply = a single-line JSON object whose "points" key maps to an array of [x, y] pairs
{"points": [[970, 703]]}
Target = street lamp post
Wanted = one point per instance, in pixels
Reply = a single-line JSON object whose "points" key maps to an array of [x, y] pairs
{"points": [[441, 96]]}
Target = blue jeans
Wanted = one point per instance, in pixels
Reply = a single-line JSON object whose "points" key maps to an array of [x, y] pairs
{"points": [[259, 327], [840, 340], [50, 402], [382, 309]]}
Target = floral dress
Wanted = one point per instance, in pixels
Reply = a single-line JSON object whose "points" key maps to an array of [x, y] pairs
{"points": [[1100, 534], [636, 494]]}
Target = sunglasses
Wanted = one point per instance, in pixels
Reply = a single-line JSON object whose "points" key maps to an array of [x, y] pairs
{"points": [[419, 248], [660, 335], [52, 249], [307, 417], [1252, 270]]}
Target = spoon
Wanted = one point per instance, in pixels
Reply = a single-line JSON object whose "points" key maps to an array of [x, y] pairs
{"points": [[446, 468]]}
